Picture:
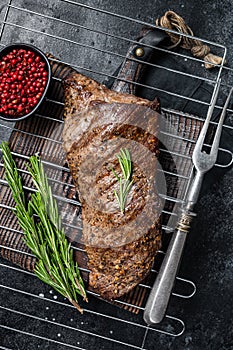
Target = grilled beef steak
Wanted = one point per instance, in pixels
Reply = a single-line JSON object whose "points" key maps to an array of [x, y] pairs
{"points": [[120, 248]]}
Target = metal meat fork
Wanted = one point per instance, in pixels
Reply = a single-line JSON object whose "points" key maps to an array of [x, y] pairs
{"points": [[158, 299]]}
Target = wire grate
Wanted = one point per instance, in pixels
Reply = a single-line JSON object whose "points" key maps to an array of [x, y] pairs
{"points": [[29, 309]]}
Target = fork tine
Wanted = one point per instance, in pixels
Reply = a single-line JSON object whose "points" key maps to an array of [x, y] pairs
{"points": [[201, 138], [217, 136]]}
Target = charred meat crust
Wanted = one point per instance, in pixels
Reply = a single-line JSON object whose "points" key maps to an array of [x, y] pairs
{"points": [[90, 91]]}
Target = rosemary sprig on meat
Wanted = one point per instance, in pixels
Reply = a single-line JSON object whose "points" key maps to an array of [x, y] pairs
{"points": [[125, 181], [44, 235]]}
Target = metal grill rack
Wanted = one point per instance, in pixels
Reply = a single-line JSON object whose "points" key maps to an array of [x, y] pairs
{"points": [[90, 46]]}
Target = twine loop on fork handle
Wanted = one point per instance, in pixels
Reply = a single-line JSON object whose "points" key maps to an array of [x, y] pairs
{"points": [[173, 21]]}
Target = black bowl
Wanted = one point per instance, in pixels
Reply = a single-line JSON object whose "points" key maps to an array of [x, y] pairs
{"points": [[30, 47]]}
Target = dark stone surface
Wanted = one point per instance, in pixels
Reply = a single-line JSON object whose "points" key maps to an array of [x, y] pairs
{"points": [[208, 257]]}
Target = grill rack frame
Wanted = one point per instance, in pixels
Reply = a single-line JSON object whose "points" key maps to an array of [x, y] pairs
{"points": [[5, 23]]}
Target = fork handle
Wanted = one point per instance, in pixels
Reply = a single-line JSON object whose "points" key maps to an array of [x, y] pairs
{"points": [[159, 296], [194, 189]]}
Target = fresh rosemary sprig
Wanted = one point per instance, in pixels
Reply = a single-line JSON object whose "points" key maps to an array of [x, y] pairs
{"points": [[125, 181], [44, 235]]}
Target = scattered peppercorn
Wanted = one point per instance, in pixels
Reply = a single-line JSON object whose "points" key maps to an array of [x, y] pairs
{"points": [[23, 78]]}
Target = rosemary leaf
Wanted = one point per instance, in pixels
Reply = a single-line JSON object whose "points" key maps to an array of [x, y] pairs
{"points": [[125, 181], [44, 235]]}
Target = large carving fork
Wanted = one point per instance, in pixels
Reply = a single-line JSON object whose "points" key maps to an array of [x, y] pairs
{"points": [[158, 299]]}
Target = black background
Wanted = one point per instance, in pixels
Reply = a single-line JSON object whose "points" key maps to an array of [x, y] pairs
{"points": [[208, 257]]}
